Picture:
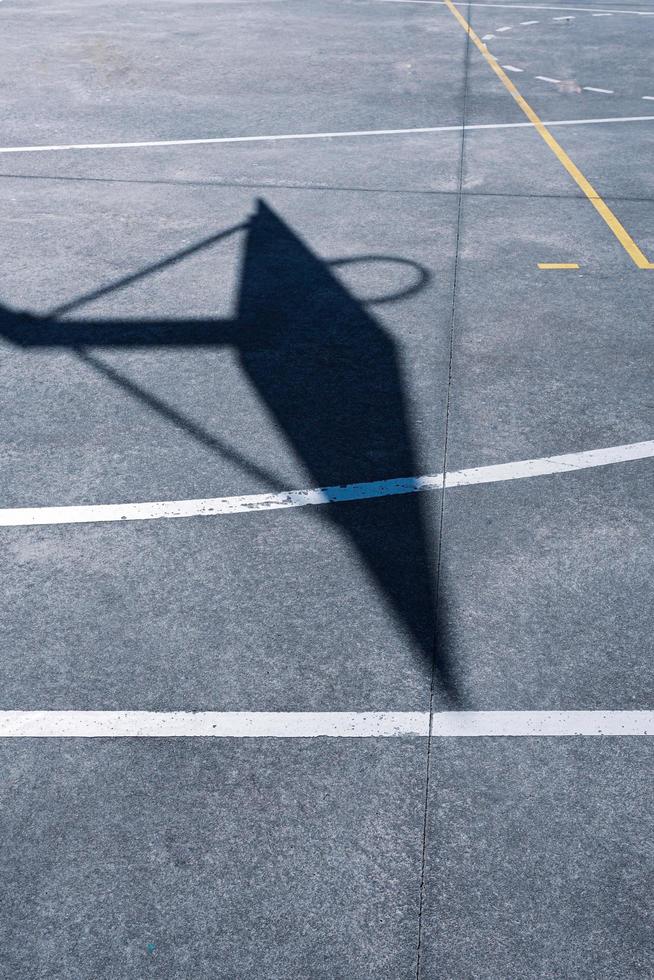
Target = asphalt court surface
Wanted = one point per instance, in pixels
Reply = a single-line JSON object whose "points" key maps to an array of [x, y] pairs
{"points": [[352, 309]]}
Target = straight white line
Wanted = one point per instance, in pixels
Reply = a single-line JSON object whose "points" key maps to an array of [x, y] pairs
{"points": [[226, 139], [525, 23], [524, 6], [318, 136], [511, 68], [321, 724], [245, 504], [501, 29], [586, 122], [602, 15], [213, 724], [649, 98], [563, 18], [544, 78], [604, 91]]}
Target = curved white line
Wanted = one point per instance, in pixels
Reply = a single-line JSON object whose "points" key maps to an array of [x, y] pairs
{"points": [[213, 506], [279, 137]]}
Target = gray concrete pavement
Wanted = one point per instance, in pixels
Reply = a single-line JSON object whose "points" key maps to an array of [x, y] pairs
{"points": [[539, 860], [377, 312], [201, 858]]}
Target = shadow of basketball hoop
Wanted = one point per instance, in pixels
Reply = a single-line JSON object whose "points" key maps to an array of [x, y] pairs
{"points": [[329, 375]]}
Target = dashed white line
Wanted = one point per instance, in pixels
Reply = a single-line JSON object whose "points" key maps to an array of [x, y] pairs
{"points": [[511, 68], [523, 6], [323, 724], [500, 30], [488, 37], [544, 78], [604, 91], [567, 17], [648, 98], [526, 23], [249, 503]]}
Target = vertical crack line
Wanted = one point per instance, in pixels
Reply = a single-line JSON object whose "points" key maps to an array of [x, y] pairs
{"points": [[421, 904]]}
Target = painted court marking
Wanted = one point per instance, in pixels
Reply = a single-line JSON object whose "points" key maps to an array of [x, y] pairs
{"points": [[213, 506], [210, 140], [566, 18], [322, 724], [639, 259], [526, 6]]}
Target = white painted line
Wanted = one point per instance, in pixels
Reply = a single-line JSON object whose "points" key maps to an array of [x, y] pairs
{"points": [[500, 30], [525, 23], [544, 78], [604, 91], [213, 506], [317, 136], [214, 724], [586, 122], [322, 724], [523, 6], [511, 68], [602, 15], [546, 465], [567, 17], [649, 98], [226, 139], [488, 37]]}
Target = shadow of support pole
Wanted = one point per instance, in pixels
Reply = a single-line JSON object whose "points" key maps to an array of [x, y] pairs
{"points": [[330, 375]]}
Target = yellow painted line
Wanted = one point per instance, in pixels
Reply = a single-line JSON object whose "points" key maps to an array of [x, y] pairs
{"points": [[558, 265], [600, 206]]}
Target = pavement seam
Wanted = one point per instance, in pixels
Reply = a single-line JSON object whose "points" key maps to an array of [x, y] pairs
{"points": [[572, 195], [425, 825]]}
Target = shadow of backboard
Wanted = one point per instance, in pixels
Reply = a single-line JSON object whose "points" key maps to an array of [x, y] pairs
{"points": [[329, 375]]}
